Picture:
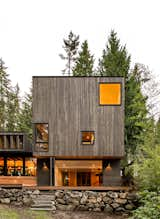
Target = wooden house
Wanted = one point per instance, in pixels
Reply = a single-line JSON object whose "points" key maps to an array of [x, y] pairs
{"points": [[78, 125]]}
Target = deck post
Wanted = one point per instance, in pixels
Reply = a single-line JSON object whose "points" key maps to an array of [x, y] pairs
{"points": [[51, 174], [5, 166], [23, 166]]}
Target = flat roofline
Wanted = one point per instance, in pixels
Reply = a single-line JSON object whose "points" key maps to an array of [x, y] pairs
{"points": [[77, 76], [11, 133]]}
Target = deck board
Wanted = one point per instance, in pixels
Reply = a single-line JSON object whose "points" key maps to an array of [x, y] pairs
{"points": [[80, 188]]}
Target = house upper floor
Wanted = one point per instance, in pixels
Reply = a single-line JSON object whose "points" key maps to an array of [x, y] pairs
{"points": [[78, 116], [14, 142]]}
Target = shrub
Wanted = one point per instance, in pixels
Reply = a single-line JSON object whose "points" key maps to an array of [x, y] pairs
{"points": [[149, 206]]}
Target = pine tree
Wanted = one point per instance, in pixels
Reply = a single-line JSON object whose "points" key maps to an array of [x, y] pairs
{"points": [[13, 109], [157, 132], [135, 112], [70, 46], [115, 61], [84, 62], [25, 116], [5, 89]]}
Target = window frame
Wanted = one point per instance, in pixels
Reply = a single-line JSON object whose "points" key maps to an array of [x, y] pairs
{"points": [[120, 83], [37, 149], [82, 138]]}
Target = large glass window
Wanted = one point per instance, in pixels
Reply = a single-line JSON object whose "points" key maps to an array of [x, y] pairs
{"points": [[110, 93], [78, 173], [41, 137], [1, 166], [14, 166], [30, 166], [88, 137]]}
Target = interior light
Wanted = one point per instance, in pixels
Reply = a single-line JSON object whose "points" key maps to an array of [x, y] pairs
{"points": [[45, 166], [108, 167]]}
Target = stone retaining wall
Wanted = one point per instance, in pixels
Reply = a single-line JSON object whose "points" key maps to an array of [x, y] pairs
{"points": [[109, 201]]}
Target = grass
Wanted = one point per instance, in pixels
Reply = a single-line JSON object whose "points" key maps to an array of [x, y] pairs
{"points": [[22, 213], [7, 212]]}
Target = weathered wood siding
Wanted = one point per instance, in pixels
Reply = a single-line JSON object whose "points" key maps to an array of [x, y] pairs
{"points": [[10, 141], [71, 105]]}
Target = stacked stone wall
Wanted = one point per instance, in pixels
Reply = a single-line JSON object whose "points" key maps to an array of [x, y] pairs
{"points": [[66, 200]]}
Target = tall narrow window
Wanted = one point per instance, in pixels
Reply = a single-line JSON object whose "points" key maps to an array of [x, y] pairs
{"points": [[88, 137], [110, 93], [41, 132]]}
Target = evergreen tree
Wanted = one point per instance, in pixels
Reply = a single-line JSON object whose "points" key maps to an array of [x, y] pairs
{"points": [[115, 61], [135, 112], [25, 116], [5, 89], [13, 109], [84, 62], [157, 132], [70, 46]]}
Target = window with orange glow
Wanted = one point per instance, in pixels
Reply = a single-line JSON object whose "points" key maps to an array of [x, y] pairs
{"points": [[30, 166], [110, 93], [1, 166], [88, 137], [41, 132], [14, 166]]}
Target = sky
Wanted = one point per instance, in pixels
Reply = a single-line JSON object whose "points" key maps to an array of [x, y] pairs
{"points": [[32, 33]]}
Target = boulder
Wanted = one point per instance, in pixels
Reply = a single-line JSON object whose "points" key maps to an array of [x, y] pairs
{"points": [[123, 195], [108, 209], [129, 207], [112, 194], [75, 202], [120, 209], [115, 205], [60, 201], [92, 200], [36, 192], [99, 199], [107, 200], [27, 201], [84, 199], [97, 209], [5, 201], [61, 207], [121, 201], [76, 194], [82, 208], [59, 194]]}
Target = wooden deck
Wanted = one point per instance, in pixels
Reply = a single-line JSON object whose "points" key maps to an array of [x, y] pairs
{"points": [[18, 180], [30, 182], [80, 188]]}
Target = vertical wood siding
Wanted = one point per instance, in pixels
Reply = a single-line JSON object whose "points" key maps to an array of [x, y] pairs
{"points": [[71, 105]]}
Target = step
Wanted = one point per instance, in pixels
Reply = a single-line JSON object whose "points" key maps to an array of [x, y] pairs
{"points": [[41, 209], [41, 205], [43, 202], [46, 197]]}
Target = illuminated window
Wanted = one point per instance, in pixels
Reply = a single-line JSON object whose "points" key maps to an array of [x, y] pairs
{"points": [[88, 137], [14, 166], [41, 132], [110, 93], [30, 166], [1, 166]]}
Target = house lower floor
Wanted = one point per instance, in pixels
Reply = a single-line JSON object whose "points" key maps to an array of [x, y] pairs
{"points": [[51, 171]]}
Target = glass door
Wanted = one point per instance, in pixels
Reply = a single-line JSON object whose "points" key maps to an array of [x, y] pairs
{"points": [[83, 178]]}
